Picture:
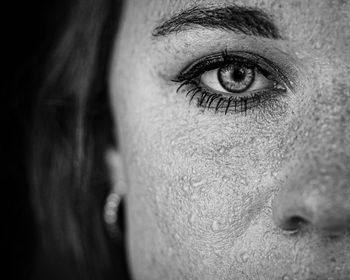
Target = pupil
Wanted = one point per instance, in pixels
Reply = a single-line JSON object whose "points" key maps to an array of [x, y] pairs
{"points": [[238, 75]]}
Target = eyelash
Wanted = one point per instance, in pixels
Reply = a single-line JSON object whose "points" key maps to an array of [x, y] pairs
{"points": [[189, 79]]}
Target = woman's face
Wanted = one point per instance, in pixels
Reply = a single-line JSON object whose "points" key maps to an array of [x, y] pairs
{"points": [[251, 178]]}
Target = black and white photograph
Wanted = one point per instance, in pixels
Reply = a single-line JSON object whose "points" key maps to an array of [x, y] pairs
{"points": [[177, 140]]}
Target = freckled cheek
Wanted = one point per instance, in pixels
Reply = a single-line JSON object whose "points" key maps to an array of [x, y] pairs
{"points": [[194, 180], [194, 198]]}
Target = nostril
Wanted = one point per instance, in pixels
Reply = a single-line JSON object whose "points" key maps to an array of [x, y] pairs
{"points": [[294, 209], [293, 223]]}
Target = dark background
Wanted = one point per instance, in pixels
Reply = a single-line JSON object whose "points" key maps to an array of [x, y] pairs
{"points": [[30, 31]]}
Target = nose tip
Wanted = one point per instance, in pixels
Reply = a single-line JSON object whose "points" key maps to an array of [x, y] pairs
{"points": [[292, 211]]}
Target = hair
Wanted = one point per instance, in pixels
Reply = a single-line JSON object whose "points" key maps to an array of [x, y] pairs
{"points": [[72, 130]]}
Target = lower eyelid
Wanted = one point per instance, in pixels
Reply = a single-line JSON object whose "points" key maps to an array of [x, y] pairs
{"points": [[258, 99]]}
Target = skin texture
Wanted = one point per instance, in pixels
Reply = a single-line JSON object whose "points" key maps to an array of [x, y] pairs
{"points": [[209, 195]]}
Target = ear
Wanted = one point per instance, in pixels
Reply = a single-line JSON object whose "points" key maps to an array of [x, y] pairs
{"points": [[116, 170]]}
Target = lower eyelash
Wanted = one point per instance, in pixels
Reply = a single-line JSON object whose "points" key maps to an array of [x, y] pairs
{"points": [[208, 100]]}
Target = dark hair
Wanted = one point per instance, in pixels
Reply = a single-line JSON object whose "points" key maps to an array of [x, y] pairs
{"points": [[72, 130]]}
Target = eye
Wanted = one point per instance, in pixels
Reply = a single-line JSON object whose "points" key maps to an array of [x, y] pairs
{"points": [[235, 82], [235, 79]]}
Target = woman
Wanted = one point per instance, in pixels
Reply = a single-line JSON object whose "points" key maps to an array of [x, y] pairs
{"points": [[223, 126]]}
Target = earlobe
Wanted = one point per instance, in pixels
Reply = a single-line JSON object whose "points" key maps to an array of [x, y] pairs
{"points": [[116, 172], [112, 213]]}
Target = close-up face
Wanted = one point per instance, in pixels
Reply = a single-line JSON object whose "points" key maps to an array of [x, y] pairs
{"points": [[232, 119]]}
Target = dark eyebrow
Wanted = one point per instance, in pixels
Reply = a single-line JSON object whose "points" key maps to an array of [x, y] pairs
{"points": [[249, 21]]}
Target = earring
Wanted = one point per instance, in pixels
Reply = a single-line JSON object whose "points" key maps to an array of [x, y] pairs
{"points": [[111, 210]]}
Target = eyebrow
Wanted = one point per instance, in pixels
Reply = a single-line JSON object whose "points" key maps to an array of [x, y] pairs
{"points": [[248, 21]]}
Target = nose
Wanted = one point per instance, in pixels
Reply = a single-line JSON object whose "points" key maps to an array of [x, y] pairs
{"points": [[316, 199], [314, 177]]}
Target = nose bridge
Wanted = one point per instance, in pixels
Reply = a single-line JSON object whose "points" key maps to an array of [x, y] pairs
{"points": [[321, 122]]}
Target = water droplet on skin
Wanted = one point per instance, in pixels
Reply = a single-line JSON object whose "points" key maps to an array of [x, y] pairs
{"points": [[225, 179], [268, 232], [253, 222], [222, 150], [191, 219], [186, 187], [242, 181], [198, 182], [170, 251], [215, 226], [244, 257], [318, 45], [194, 196], [296, 269], [217, 252], [286, 277], [274, 174]]}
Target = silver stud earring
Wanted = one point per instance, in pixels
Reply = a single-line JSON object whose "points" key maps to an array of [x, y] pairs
{"points": [[111, 215]]}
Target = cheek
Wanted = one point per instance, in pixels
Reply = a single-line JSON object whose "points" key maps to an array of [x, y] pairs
{"points": [[197, 181]]}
